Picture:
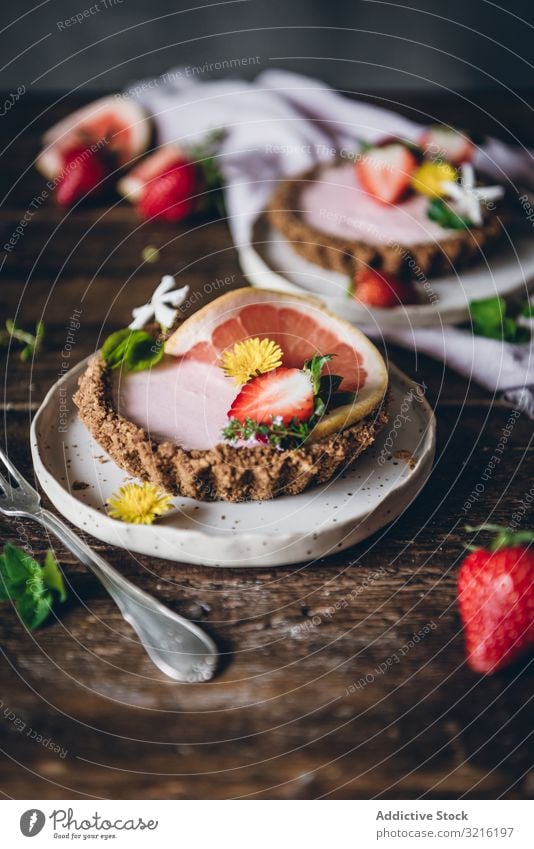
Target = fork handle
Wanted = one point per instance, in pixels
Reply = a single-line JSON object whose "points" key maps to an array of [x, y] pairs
{"points": [[112, 580]]}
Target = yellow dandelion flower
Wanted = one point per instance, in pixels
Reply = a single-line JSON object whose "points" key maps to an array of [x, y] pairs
{"points": [[250, 358], [428, 179], [138, 504]]}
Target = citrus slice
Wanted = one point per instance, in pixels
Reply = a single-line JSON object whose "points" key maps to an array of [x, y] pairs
{"points": [[117, 126], [302, 328]]}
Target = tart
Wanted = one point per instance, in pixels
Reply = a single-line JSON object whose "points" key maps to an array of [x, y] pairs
{"points": [[395, 207], [256, 395]]}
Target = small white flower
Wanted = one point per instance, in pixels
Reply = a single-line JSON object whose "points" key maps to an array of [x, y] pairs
{"points": [[468, 197], [277, 420], [163, 305]]}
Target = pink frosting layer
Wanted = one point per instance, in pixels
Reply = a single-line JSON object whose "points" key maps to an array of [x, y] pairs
{"points": [[338, 205], [183, 401]]}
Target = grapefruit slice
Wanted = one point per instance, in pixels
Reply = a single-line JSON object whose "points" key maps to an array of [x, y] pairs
{"points": [[118, 123], [303, 328]]}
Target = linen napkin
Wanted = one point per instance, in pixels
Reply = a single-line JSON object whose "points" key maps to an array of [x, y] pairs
{"points": [[281, 123]]}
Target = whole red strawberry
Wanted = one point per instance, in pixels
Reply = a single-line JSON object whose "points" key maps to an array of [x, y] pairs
{"points": [[83, 175], [171, 195], [496, 600], [378, 289]]}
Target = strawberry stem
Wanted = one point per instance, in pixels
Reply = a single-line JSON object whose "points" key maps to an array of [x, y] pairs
{"points": [[504, 537]]}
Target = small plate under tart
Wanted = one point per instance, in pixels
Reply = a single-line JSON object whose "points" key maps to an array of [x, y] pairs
{"points": [[78, 477], [270, 262]]}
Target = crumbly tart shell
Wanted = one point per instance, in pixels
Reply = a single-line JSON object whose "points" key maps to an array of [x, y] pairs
{"points": [[347, 256], [222, 472]]}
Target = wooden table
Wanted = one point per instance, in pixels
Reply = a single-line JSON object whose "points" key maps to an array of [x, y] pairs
{"points": [[283, 718]]}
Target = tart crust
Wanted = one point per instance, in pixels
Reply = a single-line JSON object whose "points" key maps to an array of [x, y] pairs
{"points": [[346, 255], [222, 472]]}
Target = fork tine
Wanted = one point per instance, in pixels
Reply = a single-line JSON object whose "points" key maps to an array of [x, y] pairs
{"points": [[22, 482], [5, 487]]}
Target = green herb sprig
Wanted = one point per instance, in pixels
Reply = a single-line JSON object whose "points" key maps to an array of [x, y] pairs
{"points": [[277, 435], [32, 342], [30, 586]]}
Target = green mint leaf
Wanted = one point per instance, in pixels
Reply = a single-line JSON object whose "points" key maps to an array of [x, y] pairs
{"points": [[439, 211], [143, 352], [52, 576], [528, 311], [342, 398], [134, 350], [23, 581], [490, 320], [329, 385], [33, 609], [19, 566], [114, 348], [4, 582]]}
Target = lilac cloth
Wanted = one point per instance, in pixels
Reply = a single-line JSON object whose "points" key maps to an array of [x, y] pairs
{"points": [[282, 123]]}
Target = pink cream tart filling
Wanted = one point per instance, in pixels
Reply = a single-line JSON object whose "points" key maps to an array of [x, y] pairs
{"points": [[338, 205], [180, 401]]}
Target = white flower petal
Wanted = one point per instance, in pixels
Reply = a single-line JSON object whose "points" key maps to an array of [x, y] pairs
{"points": [[176, 298], [468, 176], [167, 282], [489, 192], [165, 315], [141, 316]]}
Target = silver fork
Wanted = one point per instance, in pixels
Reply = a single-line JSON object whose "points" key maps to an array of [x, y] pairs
{"points": [[180, 649]]}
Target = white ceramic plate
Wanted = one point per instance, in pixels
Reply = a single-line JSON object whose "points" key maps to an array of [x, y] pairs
{"points": [[271, 263], [78, 476]]}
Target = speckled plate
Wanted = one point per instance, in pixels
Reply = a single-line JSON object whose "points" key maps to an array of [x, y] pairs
{"points": [[78, 476], [271, 263]]}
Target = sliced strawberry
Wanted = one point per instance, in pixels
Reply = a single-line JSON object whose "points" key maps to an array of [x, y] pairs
{"points": [[83, 174], [378, 289], [170, 195], [439, 142], [385, 172], [284, 392]]}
